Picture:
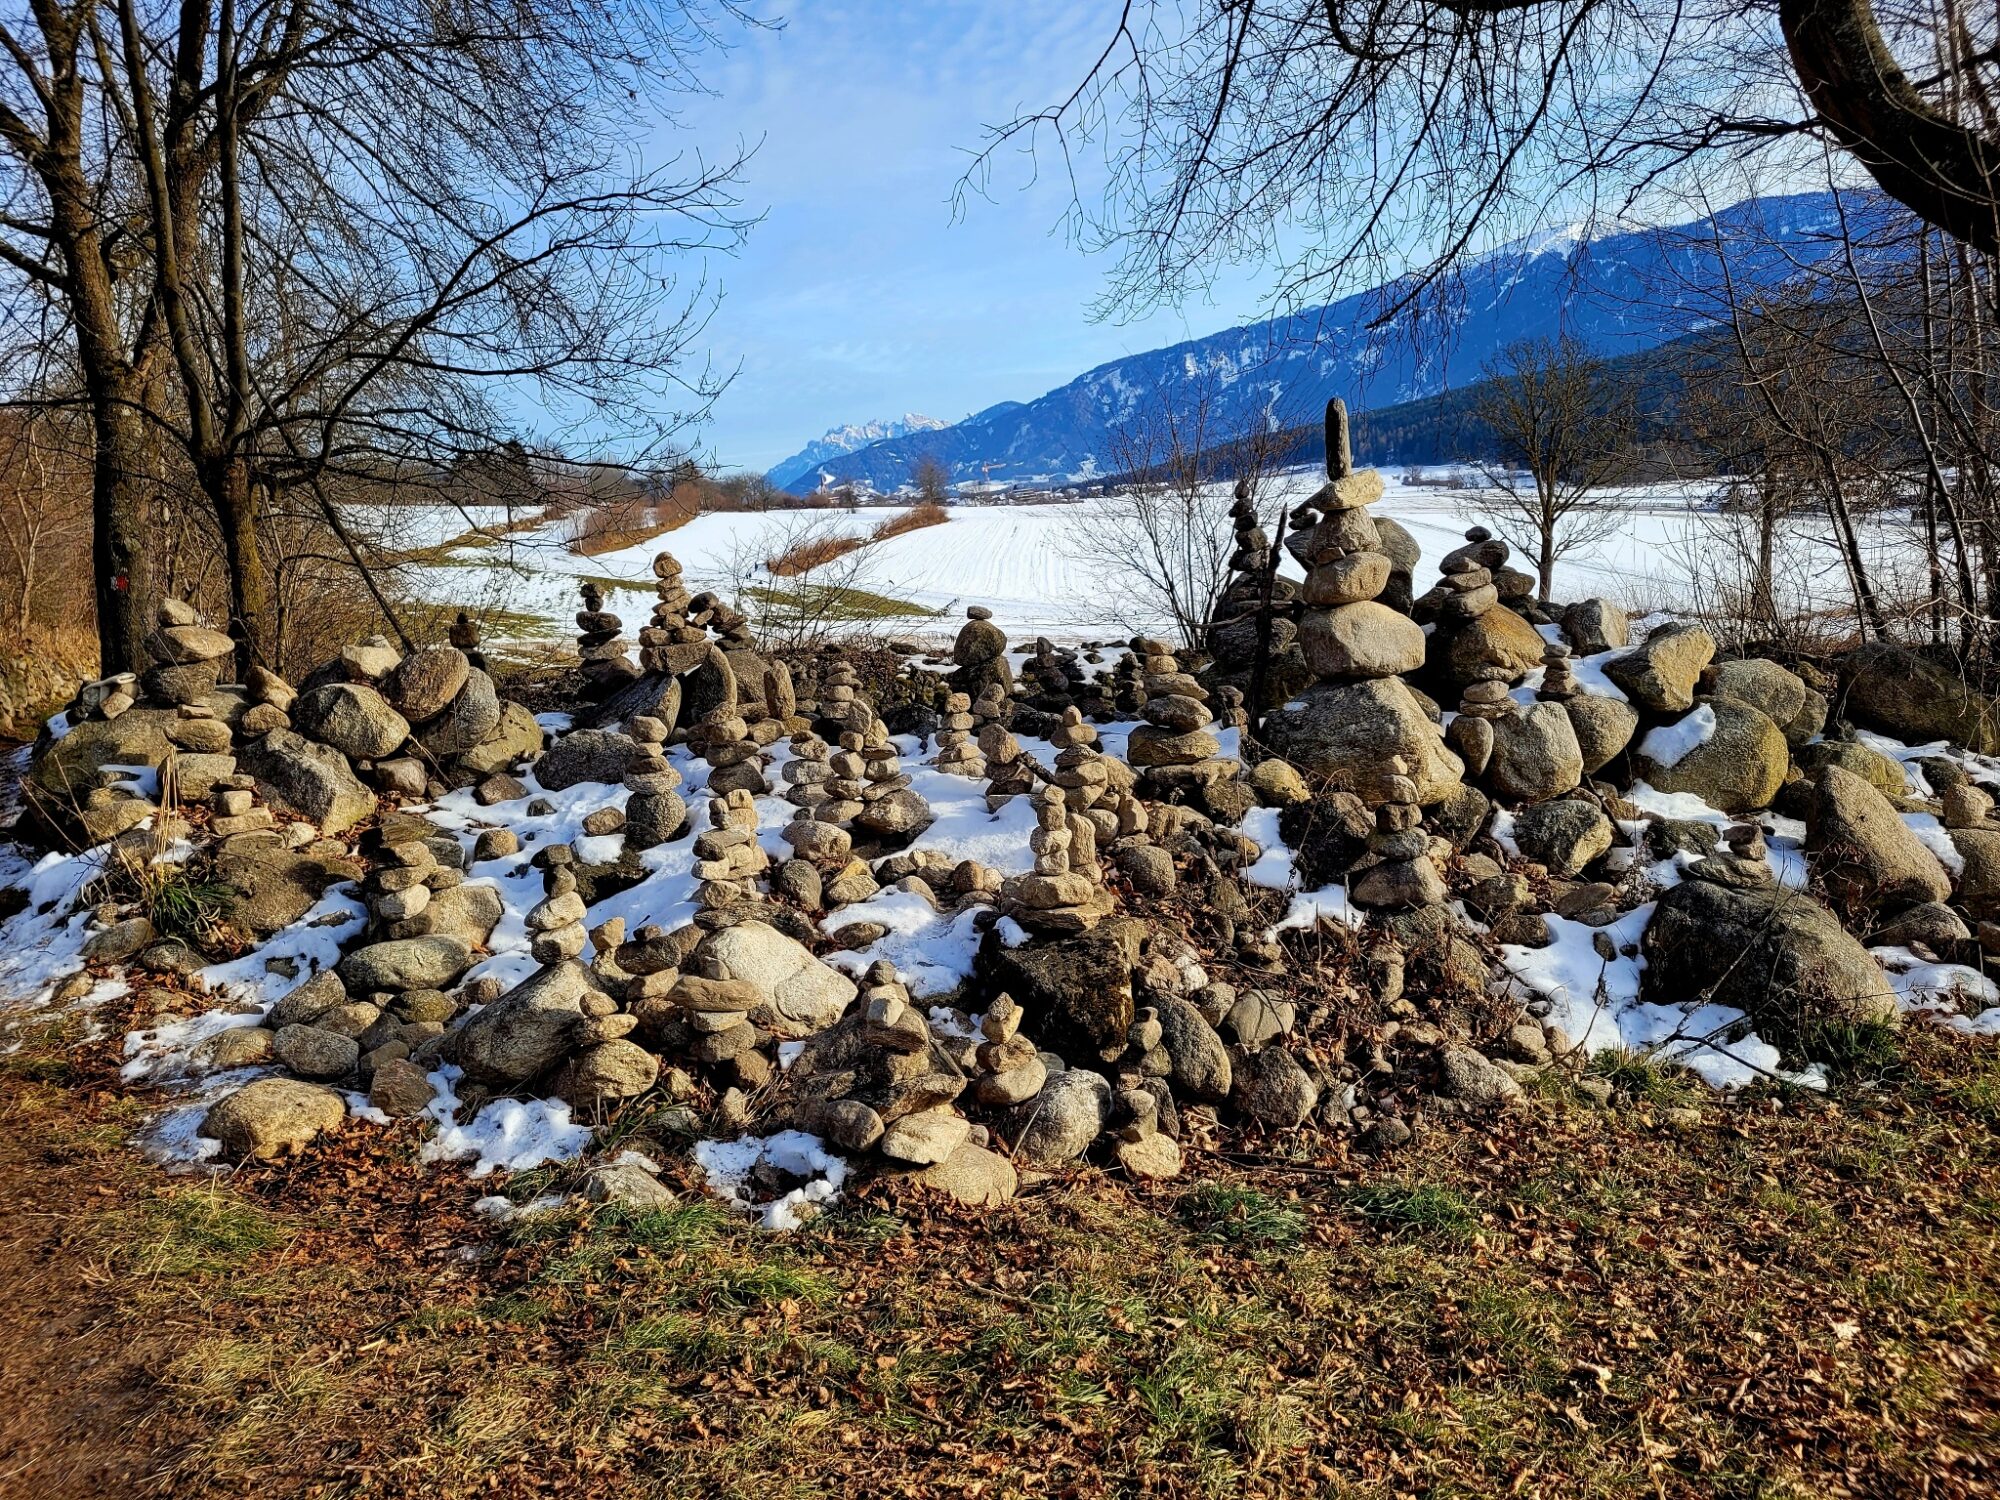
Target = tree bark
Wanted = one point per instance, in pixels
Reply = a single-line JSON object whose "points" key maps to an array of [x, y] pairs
{"points": [[122, 529], [252, 599]]}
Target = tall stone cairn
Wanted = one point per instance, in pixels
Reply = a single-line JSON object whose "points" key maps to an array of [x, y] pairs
{"points": [[723, 739], [1065, 892], [1176, 733], [655, 810], [1233, 630], [728, 858], [980, 654], [842, 709], [1345, 633], [890, 806], [599, 644], [1400, 867], [957, 752], [1004, 760], [555, 925], [670, 643], [1082, 774], [1466, 583]]}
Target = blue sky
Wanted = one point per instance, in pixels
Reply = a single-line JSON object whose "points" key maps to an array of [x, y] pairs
{"points": [[858, 296]]}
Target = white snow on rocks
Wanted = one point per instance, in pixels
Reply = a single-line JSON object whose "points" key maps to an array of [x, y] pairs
{"points": [[510, 1134], [728, 1166], [1670, 744]]}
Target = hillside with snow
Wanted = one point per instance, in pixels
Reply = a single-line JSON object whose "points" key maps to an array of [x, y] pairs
{"points": [[802, 469]]}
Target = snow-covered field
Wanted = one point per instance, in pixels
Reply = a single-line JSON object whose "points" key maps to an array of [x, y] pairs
{"points": [[1040, 570]]}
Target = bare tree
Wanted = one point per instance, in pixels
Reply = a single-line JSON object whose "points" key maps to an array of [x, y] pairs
{"points": [[1164, 533], [1329, 136], [802, 579], [287, 240], [1562, 431], [932, 480]]}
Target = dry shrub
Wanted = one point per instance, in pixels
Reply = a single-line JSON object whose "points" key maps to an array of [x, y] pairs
{"points": [[916, 518], [813, 552]]}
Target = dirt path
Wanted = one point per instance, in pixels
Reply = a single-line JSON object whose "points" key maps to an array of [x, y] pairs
{"points": [[74, 1378]]}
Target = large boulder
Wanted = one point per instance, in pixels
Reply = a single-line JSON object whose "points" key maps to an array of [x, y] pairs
{"points": [[1726, 753], [1774, 953], [68, 768], [1904, 693], [420, 685], [1535, 754], [351, 717], [1604, 727], [527, 1030], [972, 1176], [1201, 1064], [314, 781], [467, 912], [1594, 625], [1661, 675], [1499, 638], [272, 1117], [274, 886], [1076, 992], [1344, 731], [1764, 685], [799, 995], [1872, 766], [1979, 881], [1868, 856], [1360, 640], [516, 737], [1565, 835], [1059, 1123], [585, 755], [419, 963], [466, 721]]}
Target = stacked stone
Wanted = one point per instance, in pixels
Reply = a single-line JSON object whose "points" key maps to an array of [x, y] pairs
{"points": [[980, 654], [555, 924], [728, 858], [842, 709], [464, 634], [1010, 1070], [1233, 631], [715, 613], [1083, 776], [958, 753], [1559, 683], [670, 643], [1481, 702], [655, 810], [1002, 752], [599, 645], [1345, 633], [187, 656], [271, 700], [233, 807], [1176, 731], [723, 739], [1127, 693], [890, 806], [406, 875], [807, 773], [1065, 893], [1400, 868]]}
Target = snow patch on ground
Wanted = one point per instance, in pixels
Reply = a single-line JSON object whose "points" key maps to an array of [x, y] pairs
{"points": [[509, 1134], [728, 1165], [1273, 869], [1953, 994]]}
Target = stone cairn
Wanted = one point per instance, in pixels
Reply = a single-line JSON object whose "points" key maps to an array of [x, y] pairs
{"points": [[1399, 868], [1175, 746], [890, 806], [1467, 576], [1559, 683], [723, 739], [957, 752], [980, 654], [1065, 893], [1011, 1071], [728, 858], [406, 875], [731, 625], [464, 634], [1233, 631], [670, 643], [655, 810], [1482, 701], [1081, 773], [1005, 762], [555, 924], [1346, 634], [599, 644], [841, 709]]}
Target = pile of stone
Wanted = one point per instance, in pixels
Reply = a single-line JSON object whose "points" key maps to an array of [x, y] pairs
{"points": [[840, 709], [1400, 868], [891, 808], [725, 741], [464, 634], [958, 754], [670, 643], [1065, 893], [1480, 702], [600, 646], [728, 858], [655, 810], [1010, 1068], [980, 655], [1011, 769], [1256, 606], [1176, 752], [187, 656]]}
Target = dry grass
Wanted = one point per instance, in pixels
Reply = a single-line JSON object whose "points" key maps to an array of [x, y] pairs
{"points": [[1796, 1298], [813, 552], [916, 518]]}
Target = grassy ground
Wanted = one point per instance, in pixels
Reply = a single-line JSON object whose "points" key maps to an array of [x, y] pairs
{"points": [[1790, 1297]]}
